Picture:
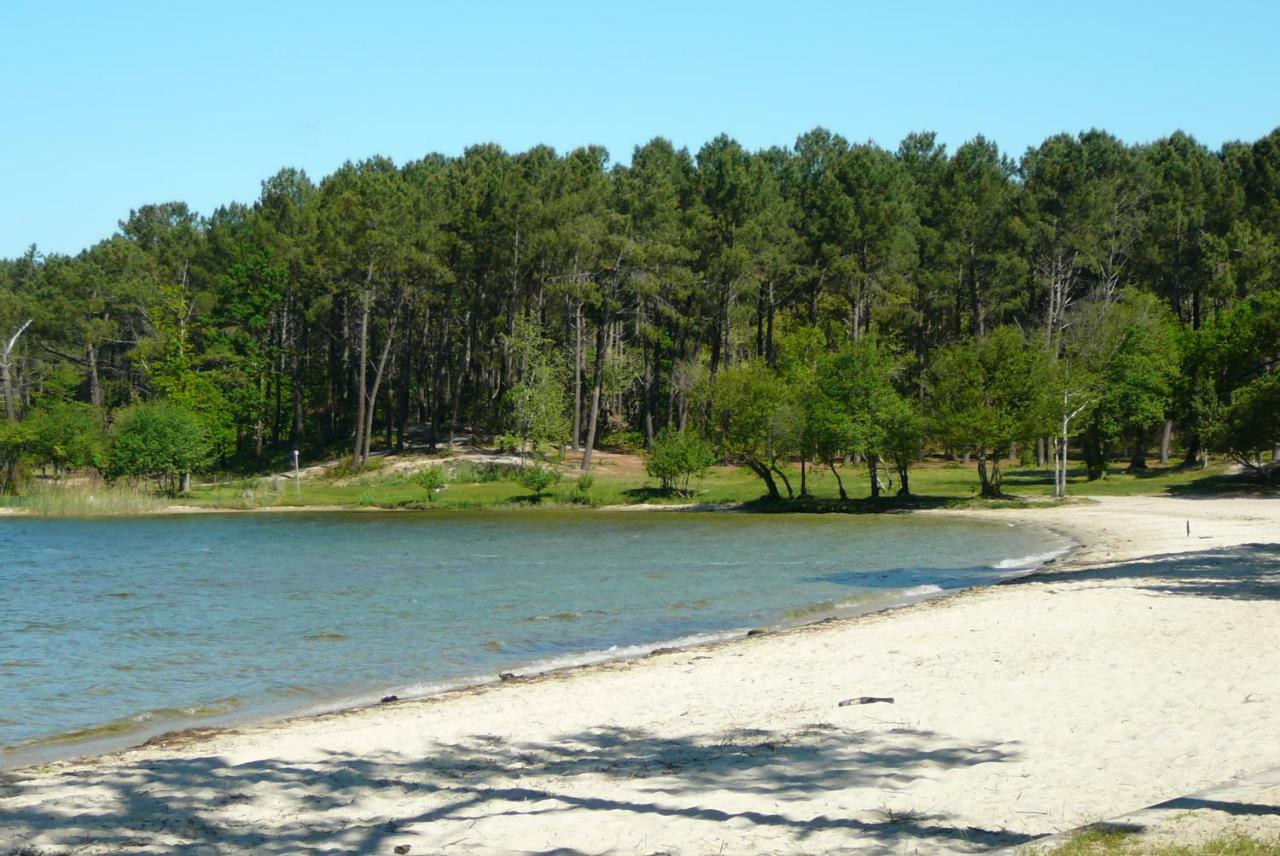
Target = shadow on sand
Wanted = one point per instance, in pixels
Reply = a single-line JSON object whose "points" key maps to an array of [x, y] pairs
{"points": [[201, 804], [344, 803], [1251, 572]]}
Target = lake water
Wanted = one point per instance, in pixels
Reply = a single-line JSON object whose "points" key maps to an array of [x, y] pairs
{"points": [[115, 629]]}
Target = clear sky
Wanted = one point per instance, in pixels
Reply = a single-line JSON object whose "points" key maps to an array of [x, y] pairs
{"points": [[111, 105]]}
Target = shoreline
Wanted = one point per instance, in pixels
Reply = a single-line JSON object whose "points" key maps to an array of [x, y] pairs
{"points": [[44, 752], [1138, 531], [1078, 555]]}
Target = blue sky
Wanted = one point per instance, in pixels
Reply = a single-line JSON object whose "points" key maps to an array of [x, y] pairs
{"points": [[110, 105]]}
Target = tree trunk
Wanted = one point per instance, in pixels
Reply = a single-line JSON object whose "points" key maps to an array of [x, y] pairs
{"points": [[95, 383], [844, 496], [6, 372], [873, 473], [361, 399], [903, 464], [785, 481], [1166, 437], [1138, 461], [766, 476], [804, 479], [769, 350], [373, 392], [597, 384], [577, 377], [990, 481]]}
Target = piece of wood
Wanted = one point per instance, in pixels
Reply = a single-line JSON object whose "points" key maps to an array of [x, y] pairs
{"points": [[866, 699]]}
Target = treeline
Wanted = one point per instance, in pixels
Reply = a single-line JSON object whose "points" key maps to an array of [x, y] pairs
{"points": [[818, 302]]}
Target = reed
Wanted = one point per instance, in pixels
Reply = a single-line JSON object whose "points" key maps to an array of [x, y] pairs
{"points": [[61, 499]]}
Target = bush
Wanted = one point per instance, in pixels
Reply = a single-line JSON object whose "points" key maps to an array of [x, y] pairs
{"points": [[677, 457], [68, 435], [507, 444], [539, 479], [470, 472], [15, 439], [345, 468], [431, 480], [623, 441], [582, 489], [158, 440]]}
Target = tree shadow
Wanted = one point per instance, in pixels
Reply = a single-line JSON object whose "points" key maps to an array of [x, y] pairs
{"points": [[644, 494], [1237, 809], [1235, 484], [1250, 572], [345, 803], [858, 505]]}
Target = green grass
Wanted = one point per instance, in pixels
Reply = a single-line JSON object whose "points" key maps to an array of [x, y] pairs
{"points": [[471, 487], [932, 484], [1111, 842]]}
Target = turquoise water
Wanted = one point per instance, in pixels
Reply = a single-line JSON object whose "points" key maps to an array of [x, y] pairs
{"points": [[115, 629]]}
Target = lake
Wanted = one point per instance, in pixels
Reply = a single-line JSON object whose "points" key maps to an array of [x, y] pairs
{"points": [[115, 629]]}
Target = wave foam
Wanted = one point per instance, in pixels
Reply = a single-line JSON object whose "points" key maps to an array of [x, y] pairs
{"points": [[921, 591], [1032, 561]]}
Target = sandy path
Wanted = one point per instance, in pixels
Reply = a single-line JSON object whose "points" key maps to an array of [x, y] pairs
{"points": [[1020, 710]]}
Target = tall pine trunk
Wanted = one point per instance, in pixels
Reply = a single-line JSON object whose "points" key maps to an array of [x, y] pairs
{"points": [[597, 385]]}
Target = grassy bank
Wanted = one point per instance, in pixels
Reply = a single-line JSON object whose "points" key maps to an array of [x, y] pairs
{"points": [[617, 480], [621, 481]]}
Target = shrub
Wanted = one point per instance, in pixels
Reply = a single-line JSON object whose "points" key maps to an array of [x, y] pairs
{"points": [[158, 440], [623, 441], [677, 457], [346, 469], [539, 479], [470, 472], [431, 480], [15, 440], [582, 489], [67, 435]]}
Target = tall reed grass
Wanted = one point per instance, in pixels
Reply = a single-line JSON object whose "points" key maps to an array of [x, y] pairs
{"points": [[61, 499]]}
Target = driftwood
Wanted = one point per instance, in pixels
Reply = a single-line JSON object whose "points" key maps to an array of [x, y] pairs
{"points": [[390, 698], [866, 699]]}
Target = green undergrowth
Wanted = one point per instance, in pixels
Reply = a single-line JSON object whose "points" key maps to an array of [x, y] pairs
{"points": [[1104, 841]]}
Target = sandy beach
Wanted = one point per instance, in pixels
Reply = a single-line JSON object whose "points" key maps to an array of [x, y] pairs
{"points": [[1141, 670]]}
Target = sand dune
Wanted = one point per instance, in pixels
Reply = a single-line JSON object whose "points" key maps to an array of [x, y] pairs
{"points": [[1144, 670]]}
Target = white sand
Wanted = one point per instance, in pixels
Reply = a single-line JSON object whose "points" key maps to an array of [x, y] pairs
{"points": [[1020, 710]]}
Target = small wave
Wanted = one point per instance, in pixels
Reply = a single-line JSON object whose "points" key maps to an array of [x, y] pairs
{"points": [[921, 591], [325, 637], [558, 616], [1031, 561], [133, 722]]}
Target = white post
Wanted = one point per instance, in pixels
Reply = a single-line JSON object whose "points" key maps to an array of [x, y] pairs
{"points": [[297, 474]]}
